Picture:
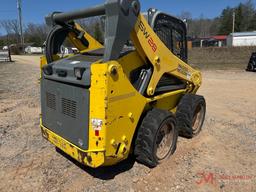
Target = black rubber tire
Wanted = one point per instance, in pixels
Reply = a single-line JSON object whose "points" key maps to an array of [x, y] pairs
{"points": [[145, 142], [251, 66], [185, 113]]}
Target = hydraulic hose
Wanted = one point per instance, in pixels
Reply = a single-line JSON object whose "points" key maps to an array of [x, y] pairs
{"points": [[54, 40]]}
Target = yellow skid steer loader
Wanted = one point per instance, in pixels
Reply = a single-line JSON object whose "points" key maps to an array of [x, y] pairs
{"points": [[109, 101]]}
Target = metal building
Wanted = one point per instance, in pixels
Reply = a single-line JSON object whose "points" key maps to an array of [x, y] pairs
{"points": [[242, 39]]}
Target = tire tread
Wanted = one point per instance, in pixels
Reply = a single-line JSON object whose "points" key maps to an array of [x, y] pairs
{"points": [[144, 143]]}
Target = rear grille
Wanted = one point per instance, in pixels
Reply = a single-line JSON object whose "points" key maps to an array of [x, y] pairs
{"points": [[51, 100], [68, 107]]}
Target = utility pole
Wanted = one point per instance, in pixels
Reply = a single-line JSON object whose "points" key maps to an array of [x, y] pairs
{"points": [[234, 21], [20, 23]]}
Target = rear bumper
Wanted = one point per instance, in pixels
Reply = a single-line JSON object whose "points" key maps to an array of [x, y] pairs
{"points": [[90, 158]]}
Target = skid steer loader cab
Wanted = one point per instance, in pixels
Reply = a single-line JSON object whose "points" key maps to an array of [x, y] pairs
{"points": [[107, 102], [171, 30]]}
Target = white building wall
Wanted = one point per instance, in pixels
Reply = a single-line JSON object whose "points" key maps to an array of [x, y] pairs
{"points": [[243, 41]]}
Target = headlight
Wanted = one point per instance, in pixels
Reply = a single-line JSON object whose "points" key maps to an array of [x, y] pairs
{"points": [[47, 69]]}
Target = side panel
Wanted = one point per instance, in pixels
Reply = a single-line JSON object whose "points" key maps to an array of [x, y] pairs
{"points": [[124, 110], [98, 105], [65, 111]]}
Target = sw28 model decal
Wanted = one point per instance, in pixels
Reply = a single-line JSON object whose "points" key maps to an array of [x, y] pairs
{"points": [[147, 36]]}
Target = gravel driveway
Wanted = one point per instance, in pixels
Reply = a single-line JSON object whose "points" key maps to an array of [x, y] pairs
{"points": [[221, 158]]}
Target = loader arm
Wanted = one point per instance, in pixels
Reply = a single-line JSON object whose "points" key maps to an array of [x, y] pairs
{"points": [[145, 40], [163, 60], [92, 43]]}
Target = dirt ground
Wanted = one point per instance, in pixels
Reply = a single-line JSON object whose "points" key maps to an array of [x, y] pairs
{"points": [[221, 158]]}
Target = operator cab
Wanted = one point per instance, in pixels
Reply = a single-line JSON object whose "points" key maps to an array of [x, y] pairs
{"points": [[171, 30]]}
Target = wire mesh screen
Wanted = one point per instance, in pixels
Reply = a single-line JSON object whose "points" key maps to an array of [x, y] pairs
{"points": [[172, 33]]}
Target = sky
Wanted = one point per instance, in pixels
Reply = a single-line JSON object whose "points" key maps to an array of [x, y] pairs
{"points": [[35, 10]]}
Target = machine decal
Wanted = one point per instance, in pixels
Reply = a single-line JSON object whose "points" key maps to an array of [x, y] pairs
{"points": [[143, 29], [97, 124], [151, 42], [184, 70]]}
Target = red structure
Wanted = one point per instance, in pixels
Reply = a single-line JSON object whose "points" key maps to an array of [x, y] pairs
{"points": [[213, 41]]}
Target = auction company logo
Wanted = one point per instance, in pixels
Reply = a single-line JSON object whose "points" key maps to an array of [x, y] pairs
{"points": [[206, 178], [212, 179]]}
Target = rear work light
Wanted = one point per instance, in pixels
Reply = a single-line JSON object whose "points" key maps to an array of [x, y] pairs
{"points": [[78, 72], [48, 70]]}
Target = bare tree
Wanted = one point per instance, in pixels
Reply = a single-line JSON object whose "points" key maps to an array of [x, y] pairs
{"points": [[11, 27], [185, 15], [4, 24], [91, 24], [36, 33]]}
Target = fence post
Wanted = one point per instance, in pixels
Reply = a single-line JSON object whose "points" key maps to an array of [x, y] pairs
{"points": [[9, 54]]}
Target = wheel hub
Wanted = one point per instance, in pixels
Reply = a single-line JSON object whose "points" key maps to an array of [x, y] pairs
{"points": [[164, 140], [198, 119]]}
